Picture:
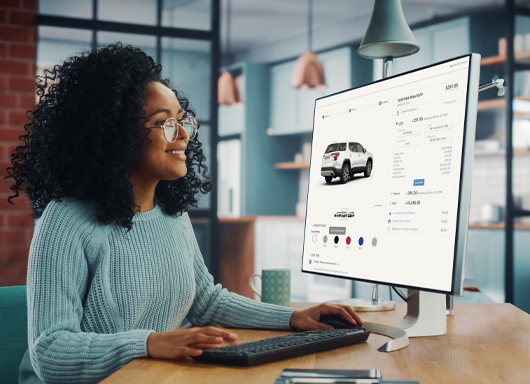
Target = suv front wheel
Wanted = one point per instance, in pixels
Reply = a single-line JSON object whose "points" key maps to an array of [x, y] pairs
{"points": [[345, 175], [368, 169]]}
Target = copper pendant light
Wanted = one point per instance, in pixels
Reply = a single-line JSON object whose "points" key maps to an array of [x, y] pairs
{"points": [[227, 92], [308, 71]]}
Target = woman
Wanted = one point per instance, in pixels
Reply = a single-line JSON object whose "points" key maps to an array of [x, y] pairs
{"points": [[112, 161]]}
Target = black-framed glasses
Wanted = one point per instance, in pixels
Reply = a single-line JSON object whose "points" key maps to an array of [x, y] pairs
{"points": [[171, 128]]}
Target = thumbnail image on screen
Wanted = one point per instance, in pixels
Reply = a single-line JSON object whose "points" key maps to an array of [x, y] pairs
{"points": [[385, 176]]}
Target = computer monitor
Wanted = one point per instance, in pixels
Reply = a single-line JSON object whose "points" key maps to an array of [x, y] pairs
{"points": [[390, 182]]}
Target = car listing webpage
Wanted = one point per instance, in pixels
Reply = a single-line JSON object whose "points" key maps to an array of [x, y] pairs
{"points": [[384, 179]]}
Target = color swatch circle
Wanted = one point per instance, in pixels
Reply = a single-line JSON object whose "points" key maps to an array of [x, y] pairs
{"points": [[325, 239], [336, 239], [374, 242], [361, 241], [348, 240]]}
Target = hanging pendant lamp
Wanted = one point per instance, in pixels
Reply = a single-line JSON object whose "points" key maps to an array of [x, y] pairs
{"points": [[388, 34], [308, 71], [227, 92]]}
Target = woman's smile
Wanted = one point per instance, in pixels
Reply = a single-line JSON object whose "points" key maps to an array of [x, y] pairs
{"points": [[178, 154]]}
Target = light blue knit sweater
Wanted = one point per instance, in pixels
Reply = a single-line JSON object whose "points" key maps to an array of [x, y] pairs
{"points": [[96, 292]]}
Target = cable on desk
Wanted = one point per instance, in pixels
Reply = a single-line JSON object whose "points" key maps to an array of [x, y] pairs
{"points": [[400, 294]]}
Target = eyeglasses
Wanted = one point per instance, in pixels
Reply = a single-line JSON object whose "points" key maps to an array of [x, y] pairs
{"points": [[171, 130]]}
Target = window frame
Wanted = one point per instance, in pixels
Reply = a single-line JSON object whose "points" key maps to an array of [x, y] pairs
{"points": [[212, 36]]}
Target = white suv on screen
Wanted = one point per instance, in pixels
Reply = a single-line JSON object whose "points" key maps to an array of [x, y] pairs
{"points": [[344, 159]]}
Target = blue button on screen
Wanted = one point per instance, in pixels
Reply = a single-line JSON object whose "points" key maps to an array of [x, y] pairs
{"points": [[361, 241], [419, 182]]}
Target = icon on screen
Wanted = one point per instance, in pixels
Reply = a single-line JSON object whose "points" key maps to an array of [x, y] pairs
{"points": [[322, 116], [310, 261], [389, 221]]}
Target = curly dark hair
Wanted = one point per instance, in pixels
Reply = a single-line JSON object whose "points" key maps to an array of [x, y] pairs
{"points": [[84, 136]]}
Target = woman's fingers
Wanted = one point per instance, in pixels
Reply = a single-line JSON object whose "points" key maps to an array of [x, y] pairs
{"points": [[342, 310], [203, 339], [355, 316], [214, 331], [187, 351], [205, 346], [185, 342], [344, 313]]}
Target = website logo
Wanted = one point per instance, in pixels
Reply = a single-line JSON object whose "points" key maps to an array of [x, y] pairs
{"points": [[344, 214]]}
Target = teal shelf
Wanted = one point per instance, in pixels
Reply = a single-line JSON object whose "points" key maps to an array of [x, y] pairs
{"points": [[289, 133]]}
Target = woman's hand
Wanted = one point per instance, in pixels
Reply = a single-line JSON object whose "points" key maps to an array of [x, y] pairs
{"points": [[307, 319], [185, 342]]}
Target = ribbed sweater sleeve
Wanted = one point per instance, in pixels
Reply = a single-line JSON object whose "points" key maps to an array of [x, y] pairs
{"points": [[213, 304], [58, 277]]}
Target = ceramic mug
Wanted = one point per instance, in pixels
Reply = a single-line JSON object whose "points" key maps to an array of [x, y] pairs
{"points": [[275, 286]]}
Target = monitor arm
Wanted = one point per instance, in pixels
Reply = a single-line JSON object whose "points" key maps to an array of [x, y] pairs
{"points": [[499, 83]]}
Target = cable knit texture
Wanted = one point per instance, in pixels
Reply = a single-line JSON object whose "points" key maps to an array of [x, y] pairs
{"points": [[96, 292]]}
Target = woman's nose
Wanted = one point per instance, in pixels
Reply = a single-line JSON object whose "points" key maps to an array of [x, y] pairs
{"points": [[183, 134]]}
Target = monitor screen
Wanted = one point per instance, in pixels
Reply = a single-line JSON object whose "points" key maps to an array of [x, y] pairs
{"points": [[386, 176]]}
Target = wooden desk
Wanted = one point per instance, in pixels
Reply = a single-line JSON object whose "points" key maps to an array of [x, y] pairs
{"points": [[485, 343]]}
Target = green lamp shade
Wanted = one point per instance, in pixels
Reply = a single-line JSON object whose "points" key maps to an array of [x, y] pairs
{"points": [[388, 34]]}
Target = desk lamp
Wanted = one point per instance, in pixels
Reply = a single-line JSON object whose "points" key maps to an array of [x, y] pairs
{"points": [[388, 36]]}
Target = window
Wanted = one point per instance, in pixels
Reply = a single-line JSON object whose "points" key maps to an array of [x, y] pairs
{"points": [[332, 147], [183, 36]]}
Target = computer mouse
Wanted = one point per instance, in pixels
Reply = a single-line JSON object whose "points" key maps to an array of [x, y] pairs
{"points": [[338, 322]]}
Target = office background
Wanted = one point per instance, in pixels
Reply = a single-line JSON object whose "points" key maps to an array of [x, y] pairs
{"points": [[258, 148]]}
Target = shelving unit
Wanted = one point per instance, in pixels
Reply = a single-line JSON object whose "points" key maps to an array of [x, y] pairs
{"points": [[501, 103], [498, 226], [501, 59], [497, 103], [292, 165], [260, 183], [516, 152], [506, 65]]}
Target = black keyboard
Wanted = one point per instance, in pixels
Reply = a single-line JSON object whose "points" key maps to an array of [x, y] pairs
{"points": [[283, 347]]}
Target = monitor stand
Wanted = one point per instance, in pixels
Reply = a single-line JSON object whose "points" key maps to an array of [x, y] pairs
{"points": [[426, 316]]}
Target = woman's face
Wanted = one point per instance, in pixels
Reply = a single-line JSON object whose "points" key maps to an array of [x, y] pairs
{"points": [[160, 161]]}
